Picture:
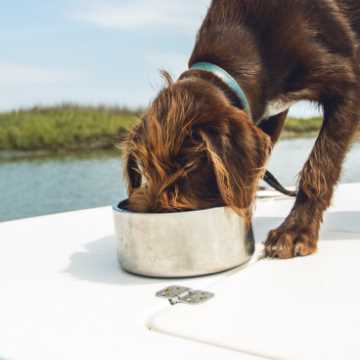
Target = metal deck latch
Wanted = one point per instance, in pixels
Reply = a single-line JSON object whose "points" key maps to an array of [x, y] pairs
{"points": [[184, 295]]}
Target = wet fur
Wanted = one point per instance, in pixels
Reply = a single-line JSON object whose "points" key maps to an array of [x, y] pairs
{"points": [[195, 149]]}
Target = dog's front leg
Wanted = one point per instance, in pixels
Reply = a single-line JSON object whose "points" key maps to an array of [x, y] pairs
{"points": [[298, 235]]}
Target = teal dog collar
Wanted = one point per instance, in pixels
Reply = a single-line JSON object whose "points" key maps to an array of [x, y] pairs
{"points": [[227, 79]]}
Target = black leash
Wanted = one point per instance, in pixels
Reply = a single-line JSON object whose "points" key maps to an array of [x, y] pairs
{"points": [[271, 180]]}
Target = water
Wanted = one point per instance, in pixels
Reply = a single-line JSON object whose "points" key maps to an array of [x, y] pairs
{"points": [[32, 187], [35, 187], [289, 157]]}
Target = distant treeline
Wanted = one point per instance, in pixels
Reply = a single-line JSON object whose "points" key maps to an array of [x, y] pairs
{"points": [[72, 127]]}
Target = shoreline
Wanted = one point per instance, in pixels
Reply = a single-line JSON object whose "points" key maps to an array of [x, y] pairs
{"points": [[86, 154], [92, 151], [74, 130]]}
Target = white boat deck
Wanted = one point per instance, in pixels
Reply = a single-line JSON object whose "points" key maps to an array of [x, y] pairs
{"points": [[63, 295]]}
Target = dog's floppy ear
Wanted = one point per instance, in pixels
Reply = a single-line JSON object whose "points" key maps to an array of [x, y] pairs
{"points": [[238, 151]]}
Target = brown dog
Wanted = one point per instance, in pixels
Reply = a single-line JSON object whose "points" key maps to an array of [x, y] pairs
{"points": [[195, 148]]}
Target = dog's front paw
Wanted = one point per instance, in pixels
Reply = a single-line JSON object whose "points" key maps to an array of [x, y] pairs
{"points": [[290, 241]]}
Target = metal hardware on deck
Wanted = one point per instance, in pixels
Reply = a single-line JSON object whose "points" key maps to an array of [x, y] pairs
{"points": [[184, 295]]}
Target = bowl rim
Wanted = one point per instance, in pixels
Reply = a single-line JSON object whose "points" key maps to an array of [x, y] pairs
{"points": [[118, 209]]}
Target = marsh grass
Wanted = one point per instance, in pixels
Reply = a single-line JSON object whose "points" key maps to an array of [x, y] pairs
{"points": [[73, 127], [296, 127], [66, 127]]}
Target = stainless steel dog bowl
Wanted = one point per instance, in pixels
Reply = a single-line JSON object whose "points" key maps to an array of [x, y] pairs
{"points": [[182, 244]]}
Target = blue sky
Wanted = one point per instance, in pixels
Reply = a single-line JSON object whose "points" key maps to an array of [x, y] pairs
{"points": [[95, 51]]}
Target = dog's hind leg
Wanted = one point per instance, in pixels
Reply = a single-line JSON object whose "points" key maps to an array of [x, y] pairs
{"points": [[298, 234]]}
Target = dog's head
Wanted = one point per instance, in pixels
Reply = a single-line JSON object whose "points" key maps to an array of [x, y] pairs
{"points": [[193, 150]]}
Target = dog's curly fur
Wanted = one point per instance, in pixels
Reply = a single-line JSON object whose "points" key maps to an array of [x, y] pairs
{"points": [[195, 149], [186, 152]]}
